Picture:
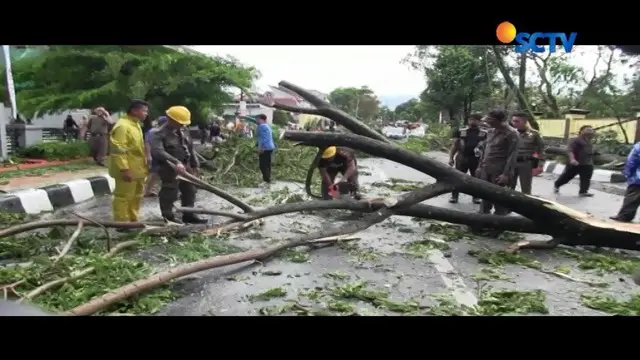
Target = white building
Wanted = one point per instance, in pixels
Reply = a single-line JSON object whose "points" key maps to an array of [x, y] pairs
{"points": [[230, 110]]}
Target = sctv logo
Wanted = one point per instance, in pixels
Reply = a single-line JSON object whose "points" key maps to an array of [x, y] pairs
{"points": [[506, 33]]}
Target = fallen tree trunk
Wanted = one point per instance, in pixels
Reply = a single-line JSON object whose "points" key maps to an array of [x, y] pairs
{"points": [[574, 227], [325, 109], [568, 226], [475, 220]]}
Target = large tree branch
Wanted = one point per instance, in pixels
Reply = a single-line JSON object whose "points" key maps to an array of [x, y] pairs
{"points": [[476, 220], [579, 228], [339, 116], [102, 302]]}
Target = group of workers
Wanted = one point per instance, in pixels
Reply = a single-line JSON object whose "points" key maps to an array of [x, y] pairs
{"points": [[138, 161], [505, 151], [496, 148], [168, 153]]}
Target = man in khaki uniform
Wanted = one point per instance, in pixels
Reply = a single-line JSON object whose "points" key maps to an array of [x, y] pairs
{"points": [[529, 159], [172, 143], [499, 156], [98, 126]]}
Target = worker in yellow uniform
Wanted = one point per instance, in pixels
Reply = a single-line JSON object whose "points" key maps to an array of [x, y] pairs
{"points": [[128, 163]]}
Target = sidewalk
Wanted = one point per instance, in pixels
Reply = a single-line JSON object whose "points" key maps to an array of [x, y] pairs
{"points": [[26, 182], [48, 192]]}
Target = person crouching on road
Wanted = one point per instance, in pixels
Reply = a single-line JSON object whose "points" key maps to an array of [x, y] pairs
{"points": [[529, 160], [338, 160], [127, 162], [153, 178], [265, 148], [632, 197], [172, 143], [463, 154]]}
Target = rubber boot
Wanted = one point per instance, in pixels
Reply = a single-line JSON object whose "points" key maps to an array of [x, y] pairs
{"points": [[193, 219], [171, 218]]}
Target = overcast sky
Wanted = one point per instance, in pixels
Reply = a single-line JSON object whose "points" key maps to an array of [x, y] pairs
{"points": [[325, 68]]}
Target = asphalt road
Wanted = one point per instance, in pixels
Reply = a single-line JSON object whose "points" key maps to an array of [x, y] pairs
{"points": [[350, 279]]}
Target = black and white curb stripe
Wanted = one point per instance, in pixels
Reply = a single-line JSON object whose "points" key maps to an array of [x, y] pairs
{"points": [[600, 175], [49, 198]]}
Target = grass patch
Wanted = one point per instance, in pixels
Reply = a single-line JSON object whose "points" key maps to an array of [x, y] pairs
{"points": [[29, 259], [46, 170]]}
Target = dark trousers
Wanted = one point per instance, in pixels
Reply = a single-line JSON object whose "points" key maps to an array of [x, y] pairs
{"points": [[465, 164], [486, 206], [630, 203], [570, 171], [70, 134], [523, 172], [264, 161], [169, 192]]}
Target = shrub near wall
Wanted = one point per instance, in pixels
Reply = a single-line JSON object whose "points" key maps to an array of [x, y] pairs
{"points": [[57, 151]]}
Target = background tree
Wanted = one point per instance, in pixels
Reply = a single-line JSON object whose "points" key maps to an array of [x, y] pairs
{"points": [[68, 77], [386, 114], [412, 110], [457, 77], [550, 84], [282, 118], [361, 102]]}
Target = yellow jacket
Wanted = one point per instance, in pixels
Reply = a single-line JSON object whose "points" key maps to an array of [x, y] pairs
{"points": [[127, 149]]}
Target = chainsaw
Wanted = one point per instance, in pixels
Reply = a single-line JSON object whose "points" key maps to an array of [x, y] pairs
{"points": [[342, 191]]}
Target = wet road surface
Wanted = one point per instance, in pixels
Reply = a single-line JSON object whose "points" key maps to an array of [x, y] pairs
{"points": [[383, 273]]}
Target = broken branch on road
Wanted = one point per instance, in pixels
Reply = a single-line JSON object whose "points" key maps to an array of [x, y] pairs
{"points": [[565, 225]]}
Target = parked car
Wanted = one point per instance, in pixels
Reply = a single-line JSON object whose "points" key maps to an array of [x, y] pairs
{"points": [[394, 133]]}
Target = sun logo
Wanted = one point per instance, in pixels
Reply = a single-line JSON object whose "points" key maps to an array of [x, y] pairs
{"points": [[506, 32]]}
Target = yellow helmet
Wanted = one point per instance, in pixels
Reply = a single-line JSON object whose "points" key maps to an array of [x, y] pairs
{"points": [[179, 114], [329, 152]]}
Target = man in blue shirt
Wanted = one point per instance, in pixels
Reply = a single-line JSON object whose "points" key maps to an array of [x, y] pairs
{"points": [[632, 197], [265, 147]]}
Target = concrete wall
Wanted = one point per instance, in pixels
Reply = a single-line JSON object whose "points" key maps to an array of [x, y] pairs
{"points": [[56, 120], [557, 127]]}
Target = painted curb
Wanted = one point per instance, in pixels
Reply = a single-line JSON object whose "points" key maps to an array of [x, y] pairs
{"points": [[52, 197], [599, 175]]}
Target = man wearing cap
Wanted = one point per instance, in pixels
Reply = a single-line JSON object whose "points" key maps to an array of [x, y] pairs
{"points": [[98, 126], [153, 177], [127, 162], [338, 160], [172, 143]]}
